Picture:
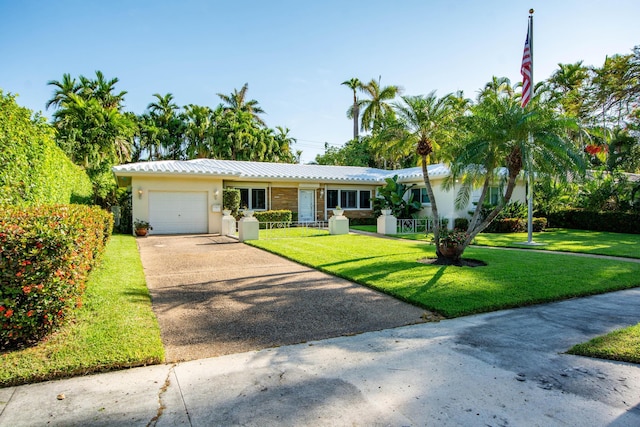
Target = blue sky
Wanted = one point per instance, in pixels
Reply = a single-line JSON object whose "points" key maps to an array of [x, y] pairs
{"points": [[294, 54]]}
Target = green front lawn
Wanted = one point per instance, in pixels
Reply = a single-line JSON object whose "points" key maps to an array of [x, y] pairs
{"points": [[368, 228], [115, 327], [622, 345], [557, 239], [510, 279], [588, 242]]}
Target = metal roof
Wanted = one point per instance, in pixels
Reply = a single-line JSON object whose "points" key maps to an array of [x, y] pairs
{"points": [[279, 171]]}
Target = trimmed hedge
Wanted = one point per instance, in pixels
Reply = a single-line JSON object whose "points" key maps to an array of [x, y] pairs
{"points": [[33, 169], [46, 254], [615, 222], [231, 200], [273, 216], [515, 225], [363, 221]]}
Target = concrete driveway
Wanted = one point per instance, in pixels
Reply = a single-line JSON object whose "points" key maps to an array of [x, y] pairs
{"points": [[214, 296]]}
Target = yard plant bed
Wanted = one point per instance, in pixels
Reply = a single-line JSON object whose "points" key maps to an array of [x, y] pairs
{"points": [[510, 278], [115, 327]]}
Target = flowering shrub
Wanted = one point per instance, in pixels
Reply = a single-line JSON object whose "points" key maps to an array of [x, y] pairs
{"points": [[46, 253], [596, 149], [453, 237]]}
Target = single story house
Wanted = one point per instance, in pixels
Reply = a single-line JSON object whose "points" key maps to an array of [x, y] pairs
{"points": [[185, 196]]}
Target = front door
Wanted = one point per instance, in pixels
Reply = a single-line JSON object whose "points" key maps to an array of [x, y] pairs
{"points": [[306, 206]]}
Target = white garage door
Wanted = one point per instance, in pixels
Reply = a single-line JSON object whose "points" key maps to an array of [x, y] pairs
{"points": [[178, 212]]}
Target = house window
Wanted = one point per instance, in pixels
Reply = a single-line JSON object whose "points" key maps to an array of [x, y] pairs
{"points": [[420, 195], [333, 198], [494, 195], [258, 198], [253, 198], [365, 199], [349, 199]]}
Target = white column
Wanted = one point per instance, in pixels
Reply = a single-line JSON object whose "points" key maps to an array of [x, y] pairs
{"points": [[387, 224], [248, 228]]}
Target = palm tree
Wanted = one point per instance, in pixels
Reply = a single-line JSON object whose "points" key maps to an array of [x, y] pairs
{"points": [[64, 88], [354, 112], [198, 132], [102, 90], [500, 133], [428, 124], [497, 86], [282, 148], [569, 83], [375, 108], [237, 101], [163, 106], [164, 112]]}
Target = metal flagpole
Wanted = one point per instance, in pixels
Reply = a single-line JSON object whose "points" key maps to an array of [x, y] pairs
{"points": [[530, 169]]}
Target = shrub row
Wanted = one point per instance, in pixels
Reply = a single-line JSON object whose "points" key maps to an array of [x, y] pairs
{"points": [[615, 222], [33, 169], [273, 216], [46, 253], [515, 225], [363, 221]]}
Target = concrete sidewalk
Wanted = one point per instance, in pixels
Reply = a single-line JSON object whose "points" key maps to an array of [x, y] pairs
{"points": [[496, 369]]}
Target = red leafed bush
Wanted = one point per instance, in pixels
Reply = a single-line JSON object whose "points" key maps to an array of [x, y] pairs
{"points": [[46, 253]]}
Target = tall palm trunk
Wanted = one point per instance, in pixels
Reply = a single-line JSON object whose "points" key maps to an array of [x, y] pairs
{"points": [[356, 115], [434, 205]]}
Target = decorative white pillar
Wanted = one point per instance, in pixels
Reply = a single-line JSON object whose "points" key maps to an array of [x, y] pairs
{"points": [[228, 224], [387, 223], [248, 228], [338, 224]]}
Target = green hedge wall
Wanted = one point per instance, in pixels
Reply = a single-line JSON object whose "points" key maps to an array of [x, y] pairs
{"points": [[273, 216], [33, 169], [46, 253], [615, 222], [515, 225]]}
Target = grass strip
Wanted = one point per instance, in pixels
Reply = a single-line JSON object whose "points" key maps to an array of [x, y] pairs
{"points": [[558, 239], [115, 328], [622, 345], [510, 279], [368, 228], [565, 240]]}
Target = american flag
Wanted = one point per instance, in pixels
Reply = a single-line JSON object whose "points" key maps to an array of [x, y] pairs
{"points": [[525, 70]]}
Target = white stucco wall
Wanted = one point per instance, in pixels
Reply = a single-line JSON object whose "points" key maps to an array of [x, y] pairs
{"points": [[446, 201]]}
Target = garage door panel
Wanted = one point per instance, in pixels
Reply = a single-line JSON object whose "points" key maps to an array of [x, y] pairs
{"points": [[178, 212]]}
